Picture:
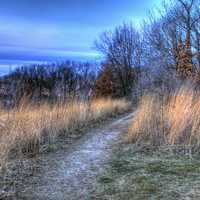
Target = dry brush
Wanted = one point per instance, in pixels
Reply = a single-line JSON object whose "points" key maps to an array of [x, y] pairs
{"points": [[29, 129], [172, 119]]}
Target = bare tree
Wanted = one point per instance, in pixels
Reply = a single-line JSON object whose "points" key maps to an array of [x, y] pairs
{"points": [[122, 49]]}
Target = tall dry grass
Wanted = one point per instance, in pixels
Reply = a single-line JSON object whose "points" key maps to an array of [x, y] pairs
{"points": [[29, 129], [170, 120]]}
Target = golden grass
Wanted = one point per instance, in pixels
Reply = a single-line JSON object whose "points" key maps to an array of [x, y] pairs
{"points": [[28, 129], [170, 120]]}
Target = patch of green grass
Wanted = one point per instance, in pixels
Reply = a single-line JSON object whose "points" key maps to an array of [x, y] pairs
{"points": [[105, 180], [145, 185], [123, 166], [134, 176], [178, 168]]}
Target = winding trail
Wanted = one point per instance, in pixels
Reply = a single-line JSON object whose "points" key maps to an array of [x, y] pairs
{"points": [[71, 174]]}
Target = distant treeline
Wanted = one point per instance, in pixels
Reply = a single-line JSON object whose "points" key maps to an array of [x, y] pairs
{"points": [[52, 82]]}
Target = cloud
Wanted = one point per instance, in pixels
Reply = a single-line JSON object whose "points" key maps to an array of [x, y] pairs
{"points": [[59, 28]]}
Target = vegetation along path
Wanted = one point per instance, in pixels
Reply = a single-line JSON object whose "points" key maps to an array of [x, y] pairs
{"points": [[72, 174]]}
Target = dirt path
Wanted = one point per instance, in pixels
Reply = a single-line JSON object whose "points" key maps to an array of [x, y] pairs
{"points": [[72, 174]]}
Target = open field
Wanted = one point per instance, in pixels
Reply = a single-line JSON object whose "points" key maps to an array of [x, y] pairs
{"points": [[29, 130]]}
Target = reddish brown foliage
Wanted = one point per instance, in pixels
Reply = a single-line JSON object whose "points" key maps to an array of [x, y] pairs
{"points": [[184, 58], [104, 85]]}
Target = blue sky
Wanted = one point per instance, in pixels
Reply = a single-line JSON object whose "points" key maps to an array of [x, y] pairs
{"points": [[43, 30]]}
